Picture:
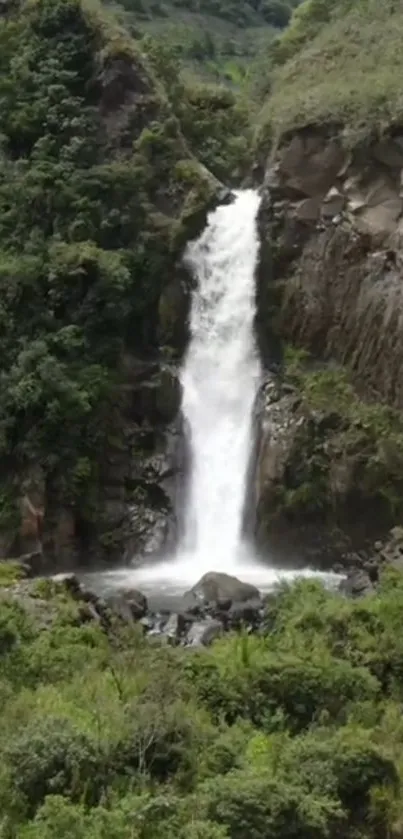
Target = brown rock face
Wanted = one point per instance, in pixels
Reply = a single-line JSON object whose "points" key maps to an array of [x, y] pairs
{"points": [[345, 301], [331, 283], [333, 223], [310, 164]]}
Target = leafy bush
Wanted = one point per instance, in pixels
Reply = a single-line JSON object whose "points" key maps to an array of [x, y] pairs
{"points": [[51, 757], [298, 687], [260, 807], [294, 732]]}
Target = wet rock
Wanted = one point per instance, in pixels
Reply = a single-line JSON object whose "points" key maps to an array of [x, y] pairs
{"points": [[70, 582], [155, 399], [247, 613], [356, 584], [175, 627], [115, 511], [149, 532], [128, 604], [195, 216], [147, 623], [203, 633], [173, 311], [216, 587], [32, 563]]}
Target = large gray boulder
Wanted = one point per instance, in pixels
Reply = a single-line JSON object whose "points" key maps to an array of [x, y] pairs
{"points": [[217, 588]]}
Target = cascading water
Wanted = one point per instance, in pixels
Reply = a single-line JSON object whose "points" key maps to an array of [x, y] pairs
{"points": [[220, 378]]}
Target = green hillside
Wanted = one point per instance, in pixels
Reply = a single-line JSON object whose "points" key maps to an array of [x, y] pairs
{"points": [[339, 61]]}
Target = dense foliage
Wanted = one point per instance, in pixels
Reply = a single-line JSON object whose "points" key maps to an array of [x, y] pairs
{"points": [[293, 733], [214, 121], [96, 184]]}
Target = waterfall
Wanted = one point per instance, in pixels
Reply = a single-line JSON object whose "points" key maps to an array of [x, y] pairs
{"points": [[220, 378]]}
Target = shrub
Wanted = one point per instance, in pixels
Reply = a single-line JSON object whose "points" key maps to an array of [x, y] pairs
{"points": [[258, 806], [49, 757]]}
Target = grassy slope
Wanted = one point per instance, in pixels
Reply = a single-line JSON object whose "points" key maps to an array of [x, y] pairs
{"points": [[350, 71]]}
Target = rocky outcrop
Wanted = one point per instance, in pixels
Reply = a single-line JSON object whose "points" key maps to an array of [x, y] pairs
{"points": [[142, 470], [332, 220], [326, 484], [330, 283]]}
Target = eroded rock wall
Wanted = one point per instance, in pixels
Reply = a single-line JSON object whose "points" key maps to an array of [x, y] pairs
{"points": [[333, 221], [330, 282]]}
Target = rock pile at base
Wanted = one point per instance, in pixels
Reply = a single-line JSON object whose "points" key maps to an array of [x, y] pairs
{"points": [[216, 604]]}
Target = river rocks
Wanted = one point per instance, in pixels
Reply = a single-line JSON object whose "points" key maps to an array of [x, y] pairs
{"points": [[70, 582], [174, 628], [244, 614]]}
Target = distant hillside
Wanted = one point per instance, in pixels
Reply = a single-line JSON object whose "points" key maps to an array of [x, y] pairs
{"points": [[338, 61], [213, 39]]}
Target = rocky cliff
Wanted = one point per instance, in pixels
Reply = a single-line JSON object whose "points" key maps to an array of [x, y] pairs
{"points": [[330, 285]]}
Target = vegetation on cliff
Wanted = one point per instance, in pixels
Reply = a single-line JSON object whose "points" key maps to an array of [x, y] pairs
{"points": [[98, 191], [296, 732], [338, 63], [347, 456]]}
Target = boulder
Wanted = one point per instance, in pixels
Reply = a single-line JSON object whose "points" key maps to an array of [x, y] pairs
{"points": [[69, 582], [356, 584], [333, 203], [128, 604], [203, 633], [310, 163], [247, 613], [174, 628], [219, 588]]}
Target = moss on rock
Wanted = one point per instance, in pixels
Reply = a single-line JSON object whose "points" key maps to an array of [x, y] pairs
{"points": [[332, 460]]}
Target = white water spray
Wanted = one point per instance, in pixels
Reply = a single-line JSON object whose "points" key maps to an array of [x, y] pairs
{"points": [[220, 378]]}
